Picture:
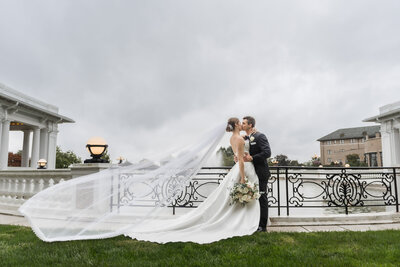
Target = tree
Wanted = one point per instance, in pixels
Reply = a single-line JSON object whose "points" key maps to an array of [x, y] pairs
{"points": [[294, 163], [14, 160], [354, 161], [227, 156], [282, 160], [65, 159], [106, 156]]}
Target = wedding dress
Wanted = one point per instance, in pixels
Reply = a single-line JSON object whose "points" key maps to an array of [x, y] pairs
{"points": [[213, 220], [136, 201]]}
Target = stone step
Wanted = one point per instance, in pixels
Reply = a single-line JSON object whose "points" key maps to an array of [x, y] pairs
{"points": [[339, 219]]}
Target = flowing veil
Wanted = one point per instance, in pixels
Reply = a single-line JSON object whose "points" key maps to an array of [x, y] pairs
{"points": [[117, 200]]}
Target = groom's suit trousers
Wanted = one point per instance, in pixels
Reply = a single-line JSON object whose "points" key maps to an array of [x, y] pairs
{"points": [[263, 175]]}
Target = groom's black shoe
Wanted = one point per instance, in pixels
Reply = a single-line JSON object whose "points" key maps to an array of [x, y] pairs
{"points": [[261, 229]]}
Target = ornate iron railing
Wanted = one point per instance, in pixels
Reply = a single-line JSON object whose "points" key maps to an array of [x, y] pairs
{"points": [[337, 187], [294, 187]]}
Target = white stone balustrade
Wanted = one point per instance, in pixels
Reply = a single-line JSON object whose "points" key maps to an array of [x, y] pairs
{"points": [[16, 186]]}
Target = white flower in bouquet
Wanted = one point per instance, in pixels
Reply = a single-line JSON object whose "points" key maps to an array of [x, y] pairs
{"points": [[244, 193]]}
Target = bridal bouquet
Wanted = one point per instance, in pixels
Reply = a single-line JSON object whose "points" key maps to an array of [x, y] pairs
{"points": [[244, 193]]}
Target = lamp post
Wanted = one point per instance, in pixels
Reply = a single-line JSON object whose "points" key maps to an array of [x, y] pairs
{"points": [[97, 147], [120, 159], [41, 164]]}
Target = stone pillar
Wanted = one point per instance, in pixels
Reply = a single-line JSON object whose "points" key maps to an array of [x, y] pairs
{"points": [[396, 147], [87, 194], [25, 149], [386, 131], [44, 143], [51, 154], [1, 127], [5, 133], [35, 147]]}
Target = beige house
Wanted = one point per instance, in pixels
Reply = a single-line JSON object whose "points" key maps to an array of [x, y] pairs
{"points": [[364, 141]]}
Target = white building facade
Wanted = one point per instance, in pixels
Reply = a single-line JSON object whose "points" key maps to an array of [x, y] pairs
{"points": [[19, 112], [389, 118]]}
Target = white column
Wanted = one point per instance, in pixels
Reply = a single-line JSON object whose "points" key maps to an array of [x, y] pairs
{"points": [[25, 149], [1, 127], [35, 147], [51, 160], [396, 147], [5, 133], [44, 143], [386, 143]]}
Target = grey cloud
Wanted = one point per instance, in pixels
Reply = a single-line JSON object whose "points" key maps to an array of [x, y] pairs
{"points": [[129, 69]]}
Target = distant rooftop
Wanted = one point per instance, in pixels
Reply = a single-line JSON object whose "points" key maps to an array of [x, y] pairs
{"points": [[13, 96], [348, 133]]}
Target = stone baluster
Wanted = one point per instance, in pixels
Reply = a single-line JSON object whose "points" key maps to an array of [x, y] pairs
{"points": [[41, 185], [36, 186], [15, 183], [22, 189], [30, 188], [2, 186], [51, 182], [46, 183], [8, 187]]}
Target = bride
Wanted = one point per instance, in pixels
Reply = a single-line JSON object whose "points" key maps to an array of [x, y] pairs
{"points": [[215, 218], [84, 208]]}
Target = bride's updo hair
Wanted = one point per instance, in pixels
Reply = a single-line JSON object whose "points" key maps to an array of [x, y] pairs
{"points": [[231, 124]]}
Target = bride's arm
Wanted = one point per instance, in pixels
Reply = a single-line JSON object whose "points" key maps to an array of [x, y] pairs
{"points": [[240, 159]]}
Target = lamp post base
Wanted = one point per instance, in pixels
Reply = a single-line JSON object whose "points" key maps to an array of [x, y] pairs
{"points": [[96, 160]]}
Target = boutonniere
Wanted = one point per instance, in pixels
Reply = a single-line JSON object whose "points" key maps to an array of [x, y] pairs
{"points": [[252, 138]]}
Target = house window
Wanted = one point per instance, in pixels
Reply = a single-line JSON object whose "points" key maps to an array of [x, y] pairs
{"points": [[353, 140], [341, 150], [342, 141], [329, 152], [334, 141], [329, 160], [373, 162], [329, 142]]}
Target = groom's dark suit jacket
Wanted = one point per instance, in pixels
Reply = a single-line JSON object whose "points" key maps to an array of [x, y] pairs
{"points": [[260, 151]]}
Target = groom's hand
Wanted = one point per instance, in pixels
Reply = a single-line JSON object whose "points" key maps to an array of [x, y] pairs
{"points": [[247, 157], [235, 158]]}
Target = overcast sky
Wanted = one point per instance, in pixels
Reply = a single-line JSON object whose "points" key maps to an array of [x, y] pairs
{"points": [[144, 74]]}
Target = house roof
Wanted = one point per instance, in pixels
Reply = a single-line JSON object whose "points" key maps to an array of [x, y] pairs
{"points": [[17, 98], [386, 113], [348, 133]]}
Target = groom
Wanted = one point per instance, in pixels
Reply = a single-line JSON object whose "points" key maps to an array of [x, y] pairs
{"points": [[259, 153]]}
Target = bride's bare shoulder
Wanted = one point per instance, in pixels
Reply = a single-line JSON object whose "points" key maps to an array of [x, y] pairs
{"points": [[237, 139]]}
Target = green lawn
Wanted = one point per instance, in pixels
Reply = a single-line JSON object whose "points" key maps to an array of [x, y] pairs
{"points": [[20, 247]]}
